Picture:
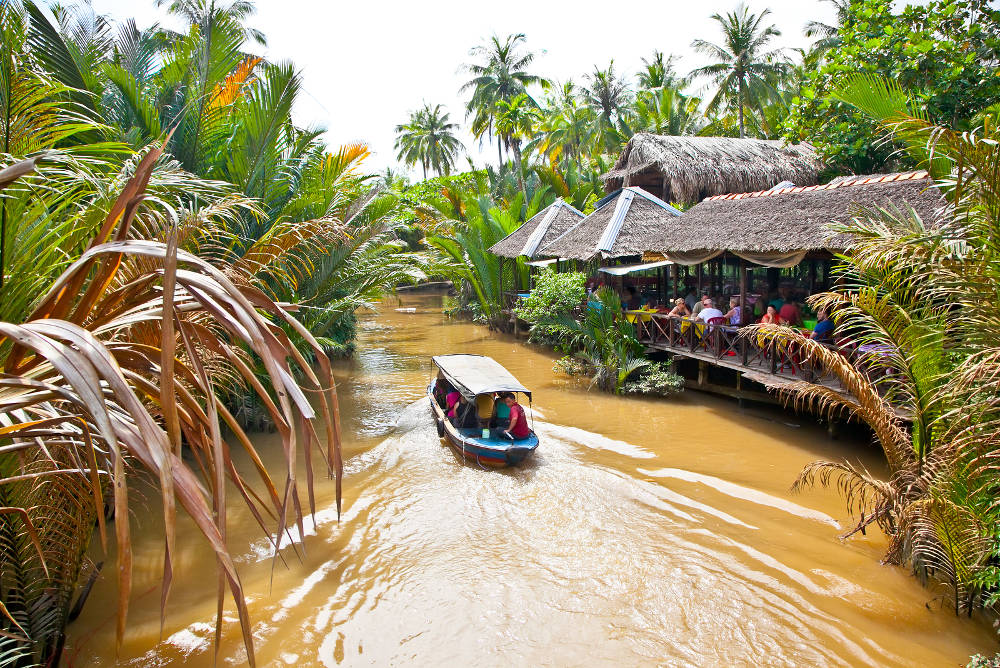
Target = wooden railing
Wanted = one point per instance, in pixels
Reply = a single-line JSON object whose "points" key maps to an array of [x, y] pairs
{"points": [[725, 343]]}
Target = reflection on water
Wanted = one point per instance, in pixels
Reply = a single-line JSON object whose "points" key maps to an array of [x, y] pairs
{"points": [[642, 532]]}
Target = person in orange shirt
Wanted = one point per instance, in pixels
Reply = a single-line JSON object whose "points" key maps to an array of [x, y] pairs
{"points": [[771, 317]]}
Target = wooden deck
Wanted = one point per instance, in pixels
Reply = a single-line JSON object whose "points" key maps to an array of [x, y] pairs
{"points": [[775, 365]]}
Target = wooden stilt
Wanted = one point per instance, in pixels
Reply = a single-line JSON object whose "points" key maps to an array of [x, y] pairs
{"points": [[744, 317]]}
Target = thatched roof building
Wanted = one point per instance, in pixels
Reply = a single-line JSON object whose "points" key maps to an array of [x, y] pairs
{"points": [[689, 169], [542, 228], [621, 227], [785, 222]]}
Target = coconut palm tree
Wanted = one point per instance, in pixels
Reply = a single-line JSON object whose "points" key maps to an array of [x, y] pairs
{"points": [[745, 72], [609, 96], [428, 139], [566, 128], [658, 72], [515, 121], [666, 111], [206, 13], [826, 34], [501, 75]]}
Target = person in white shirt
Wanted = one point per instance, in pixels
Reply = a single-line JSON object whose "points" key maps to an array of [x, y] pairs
{"points": [[710, 312]]}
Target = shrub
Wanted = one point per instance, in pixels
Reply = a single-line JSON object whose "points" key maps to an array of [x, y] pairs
{"points": [[553, 295], [656, 379]]}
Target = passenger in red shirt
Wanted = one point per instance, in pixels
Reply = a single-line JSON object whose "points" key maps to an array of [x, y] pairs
{"points": [[518, 428]]}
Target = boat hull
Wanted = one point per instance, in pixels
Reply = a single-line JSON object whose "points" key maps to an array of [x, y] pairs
{"points": [[495, 451]]}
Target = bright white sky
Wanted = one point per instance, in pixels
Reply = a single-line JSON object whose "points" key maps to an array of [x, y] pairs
{"points": [[365, 65]]}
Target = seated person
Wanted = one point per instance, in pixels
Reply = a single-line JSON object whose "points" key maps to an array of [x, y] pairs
{"points": [[465, 416], [699, 306], [632, 301], [651, 305], [735, 313], [823, 331], [453, 401], [709, 311], [501, 414], [771, 317], [790, 315], [518, 428], [441, 390], [680, 309]]}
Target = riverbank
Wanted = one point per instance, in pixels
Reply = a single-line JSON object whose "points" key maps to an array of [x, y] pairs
{"points": [[645, 532]]}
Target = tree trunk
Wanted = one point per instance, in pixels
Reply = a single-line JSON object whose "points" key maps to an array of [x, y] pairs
{"points": [[516, 145], [740, 106]]}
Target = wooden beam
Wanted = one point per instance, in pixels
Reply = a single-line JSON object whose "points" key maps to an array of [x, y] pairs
{"points": [[743, 293]]}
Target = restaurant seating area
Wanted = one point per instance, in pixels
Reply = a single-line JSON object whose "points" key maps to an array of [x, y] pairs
{"points": [[774, 247]]}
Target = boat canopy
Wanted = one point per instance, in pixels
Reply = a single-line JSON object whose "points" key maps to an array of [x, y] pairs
{"points": [[477, 374]]}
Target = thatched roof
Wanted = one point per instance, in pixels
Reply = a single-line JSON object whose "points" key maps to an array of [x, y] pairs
{"points": [[689, 169], [622, 226], [540, 229], [794, 219]]}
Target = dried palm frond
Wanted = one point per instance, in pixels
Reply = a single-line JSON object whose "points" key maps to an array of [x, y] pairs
{"points": [[115, 368]]}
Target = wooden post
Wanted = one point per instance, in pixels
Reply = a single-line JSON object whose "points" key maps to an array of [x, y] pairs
{"points": [[700, 289], [501, 296], [743, 293], [675, 271]]}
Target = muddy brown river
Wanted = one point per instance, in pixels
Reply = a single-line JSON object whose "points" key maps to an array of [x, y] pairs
{"points": [[643, 532]]}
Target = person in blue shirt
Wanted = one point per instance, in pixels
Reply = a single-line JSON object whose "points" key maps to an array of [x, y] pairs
{"points": [[823, 331]]}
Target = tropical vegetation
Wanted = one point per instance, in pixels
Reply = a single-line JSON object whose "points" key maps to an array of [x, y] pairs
{"points": [[924, 291], [161, 220]]}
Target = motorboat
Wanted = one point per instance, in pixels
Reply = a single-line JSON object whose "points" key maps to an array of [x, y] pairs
{"points": [[474, 432]]}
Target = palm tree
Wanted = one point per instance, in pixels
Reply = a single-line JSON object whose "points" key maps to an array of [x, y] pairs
{"points": [[899, 287], [606, 342], [826, 34], [516, 120], [666, 111], [461, 231], [205, 13], [566, 128], [501, 74], [608, 95], [658, 72], [744, 71], [428, 139]]}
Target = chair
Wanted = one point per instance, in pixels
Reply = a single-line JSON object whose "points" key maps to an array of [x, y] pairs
{"points": [[711, 334]]}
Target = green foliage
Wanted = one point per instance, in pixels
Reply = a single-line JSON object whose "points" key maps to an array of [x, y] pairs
{"points": [[899, 286], [657, 379], [746, 73], [605, 341], [554, 294], [980, 661], [572, 366], [428, 139], [945, 52], [461, 230]]}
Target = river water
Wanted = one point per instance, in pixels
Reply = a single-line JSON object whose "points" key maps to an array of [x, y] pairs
{"points": [[643, 532]]}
